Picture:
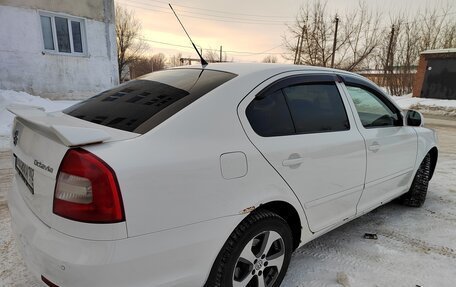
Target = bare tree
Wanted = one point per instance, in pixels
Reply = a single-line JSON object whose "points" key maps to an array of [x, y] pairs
{"points": [[158, 62], [361, 35], [270, 59], [315, 34], [357, 38], [129, 45], [361, 42], [145, 65], [403, 56], [213, 56], [449, 35], [139, 67], [431, 29], [175, 60]]}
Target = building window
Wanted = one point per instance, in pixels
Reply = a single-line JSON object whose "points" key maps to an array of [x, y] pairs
{"points": [[62, 34]]}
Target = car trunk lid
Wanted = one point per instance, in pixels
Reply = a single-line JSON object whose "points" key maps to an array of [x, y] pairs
{"points": [[39, 143]]}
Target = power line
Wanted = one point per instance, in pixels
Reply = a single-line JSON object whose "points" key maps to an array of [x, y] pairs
{"points": [[246, 53], [223, 12], [206, 14], [265, 52], [409, 22], [186, 14]]}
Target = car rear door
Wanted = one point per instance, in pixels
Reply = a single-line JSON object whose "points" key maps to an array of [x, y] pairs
{"points": [[302, 127], [391, 146]]}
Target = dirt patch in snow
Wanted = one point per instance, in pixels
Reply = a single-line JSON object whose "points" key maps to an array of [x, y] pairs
{"points": [[434, 110]]}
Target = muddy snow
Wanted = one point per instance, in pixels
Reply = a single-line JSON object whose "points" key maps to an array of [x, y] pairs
{"points": [[415, 246]]}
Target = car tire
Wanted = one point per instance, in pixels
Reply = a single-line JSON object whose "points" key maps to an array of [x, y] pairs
{"points": [[416, 196], [258, 249]]}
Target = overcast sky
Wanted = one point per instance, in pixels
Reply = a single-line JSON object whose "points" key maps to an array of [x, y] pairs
{"points": [[247, 29]]}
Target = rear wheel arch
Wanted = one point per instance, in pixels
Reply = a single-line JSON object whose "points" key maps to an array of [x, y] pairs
{"points": [[289, 214], [262, 219]]}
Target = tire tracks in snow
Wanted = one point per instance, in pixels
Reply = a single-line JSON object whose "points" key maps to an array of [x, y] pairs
{"points": [[447, 201], [417, 244], [335, 249], [446, 216]]}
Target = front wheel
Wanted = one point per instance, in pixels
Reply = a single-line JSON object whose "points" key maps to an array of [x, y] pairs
{"points": [[257, 253], [416, 196]]}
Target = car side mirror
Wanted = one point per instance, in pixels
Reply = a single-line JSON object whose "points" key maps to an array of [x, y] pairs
{"points": [[413, 118]]}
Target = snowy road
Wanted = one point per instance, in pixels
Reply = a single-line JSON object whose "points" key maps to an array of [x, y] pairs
{"points": [[415, 246]]}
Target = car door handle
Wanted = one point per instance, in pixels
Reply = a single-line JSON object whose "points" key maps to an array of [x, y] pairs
{"points": [[374, 147], [294, 161]]}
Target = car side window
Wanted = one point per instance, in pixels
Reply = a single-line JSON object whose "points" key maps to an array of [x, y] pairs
{"points": [[316, 108], [372, 111], [269, 115]]}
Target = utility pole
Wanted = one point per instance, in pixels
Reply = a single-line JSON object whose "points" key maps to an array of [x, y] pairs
{"points": [[220, 54], [335, 42], [390, 51], [296, 51], [389, 61], [300, 45]]}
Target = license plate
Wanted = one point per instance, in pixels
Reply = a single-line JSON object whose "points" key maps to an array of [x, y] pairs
{"points": [[26, 173]]}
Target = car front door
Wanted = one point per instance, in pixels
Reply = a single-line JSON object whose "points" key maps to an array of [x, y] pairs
{"points": [[302, 127], [391, 147]]}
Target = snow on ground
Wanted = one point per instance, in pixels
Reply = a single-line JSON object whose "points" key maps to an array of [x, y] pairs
{"points": [[8, 97], [415, 246], [427, 106]]}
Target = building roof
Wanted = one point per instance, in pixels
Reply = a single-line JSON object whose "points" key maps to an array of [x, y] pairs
{"points": [[440, 51]]}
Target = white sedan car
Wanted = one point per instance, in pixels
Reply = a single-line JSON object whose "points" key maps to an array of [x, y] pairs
{"points": [[208, 176]]}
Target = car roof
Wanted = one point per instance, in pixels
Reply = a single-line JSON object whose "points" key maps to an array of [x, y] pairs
{"points": [[270, 69], [243, 69]]}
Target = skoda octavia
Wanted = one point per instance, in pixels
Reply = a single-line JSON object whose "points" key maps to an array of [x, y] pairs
{"points": [[208, 176]]}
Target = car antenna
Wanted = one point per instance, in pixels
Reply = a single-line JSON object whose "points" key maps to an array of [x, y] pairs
{"points": [[203, 62]]}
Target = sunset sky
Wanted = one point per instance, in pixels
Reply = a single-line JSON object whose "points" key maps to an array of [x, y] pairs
{"points": [[248, 30]]}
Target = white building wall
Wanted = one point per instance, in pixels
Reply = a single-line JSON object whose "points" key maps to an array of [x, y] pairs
{"points": [[26, 66]]}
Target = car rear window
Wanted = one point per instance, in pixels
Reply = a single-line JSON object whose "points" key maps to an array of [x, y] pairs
{"points": [[316, 108], [140, 105]]}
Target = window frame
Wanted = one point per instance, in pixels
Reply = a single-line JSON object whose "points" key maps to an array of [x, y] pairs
{"points": [[270, 93], [341, 101], [300, 79], [69, 19], [356, 81]]}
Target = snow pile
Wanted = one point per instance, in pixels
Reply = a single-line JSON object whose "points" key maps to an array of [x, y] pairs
{"points": [[8, 97], [427, 106]]}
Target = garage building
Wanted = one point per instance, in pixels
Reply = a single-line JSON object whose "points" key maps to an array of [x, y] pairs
{"points": [[436, 75]]}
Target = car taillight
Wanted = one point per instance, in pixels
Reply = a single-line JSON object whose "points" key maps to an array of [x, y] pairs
{"points": [[87, 190]]}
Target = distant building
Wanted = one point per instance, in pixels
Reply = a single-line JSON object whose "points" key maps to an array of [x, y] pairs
{"points": [[436, 75], [64, 48]]}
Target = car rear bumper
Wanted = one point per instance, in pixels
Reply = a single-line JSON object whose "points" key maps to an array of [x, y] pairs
{"points": [[176, 257]]}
